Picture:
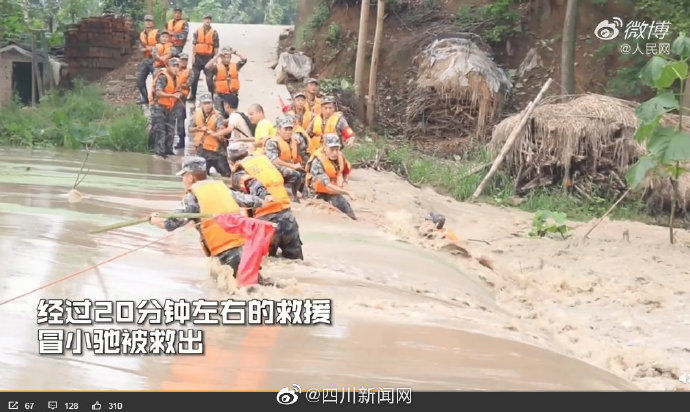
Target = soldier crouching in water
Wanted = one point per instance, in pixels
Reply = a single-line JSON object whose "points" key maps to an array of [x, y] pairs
{"points": [[328, 174], [208, 196], [257, 176]]}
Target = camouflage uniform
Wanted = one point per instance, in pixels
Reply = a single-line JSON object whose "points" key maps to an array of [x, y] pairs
{"points": [[286, 237], [339, 201], [162, 122], [339, 127], [199, 63], [145, 68], [218, 97], [219, 158], [190, 204], [293, 178]]}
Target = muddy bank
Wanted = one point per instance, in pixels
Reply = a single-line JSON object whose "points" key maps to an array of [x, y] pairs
{"points": [[617, 300]]}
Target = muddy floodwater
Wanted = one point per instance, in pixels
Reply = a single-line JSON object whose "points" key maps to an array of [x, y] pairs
{"points": [[387, 330]]}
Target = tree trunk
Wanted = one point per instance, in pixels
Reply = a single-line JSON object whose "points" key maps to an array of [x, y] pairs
{"points": [[568, 48], [371, 101], [149, 6], [361, 53]]}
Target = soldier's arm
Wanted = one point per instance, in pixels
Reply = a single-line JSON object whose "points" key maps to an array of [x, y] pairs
{"points": [[211, 65], [243, 60], [216, 42], [302, 147], [310, 129], [185, 32], [221, 130], [317, 171], [246, 200], [256, 188], [189, 205], [346, 133], [160, 86]]}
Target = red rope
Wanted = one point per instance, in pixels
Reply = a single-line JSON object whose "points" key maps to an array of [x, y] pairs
{"points": [[87, 269]]}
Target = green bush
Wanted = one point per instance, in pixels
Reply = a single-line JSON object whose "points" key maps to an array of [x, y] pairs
{"points": [[71, 119], [333, 35], [305, 34], [496, 20]]}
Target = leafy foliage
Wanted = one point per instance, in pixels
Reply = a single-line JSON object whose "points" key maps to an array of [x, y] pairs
{"points": [[333, 36], [669, 148], [336, 84], [71, 119], [305, 34], [546, 222], [495, 20]]}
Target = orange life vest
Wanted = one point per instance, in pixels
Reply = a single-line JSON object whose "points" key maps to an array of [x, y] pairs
{"points": [[170, 87], [215, 198], [204, 42], [306, 118], [335, 174], [319, 130], [162, 49], [202, 138], [175, 28], [182, 77], [315, 108], [227, 79], [148, 40], [260, 168], [287, 151]]}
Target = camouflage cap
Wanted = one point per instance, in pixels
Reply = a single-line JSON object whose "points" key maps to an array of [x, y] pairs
{"points": [[208, 16], [299, 94], [226, 50], [148, 17], [174, 62], [177, 8], [237, 151], [310, 80], [328, 100], [286, 121], [331, 140], [184, 56], [192, 164], [206, 98]]}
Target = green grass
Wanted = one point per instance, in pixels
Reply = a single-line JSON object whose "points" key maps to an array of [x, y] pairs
{"points": [[451, 178], [306, 33], [72, 119]]}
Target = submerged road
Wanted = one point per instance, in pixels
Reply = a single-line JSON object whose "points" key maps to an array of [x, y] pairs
{"points": [[389, 329]]}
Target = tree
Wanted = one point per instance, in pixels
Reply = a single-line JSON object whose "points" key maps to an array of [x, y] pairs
{"points": [[568, 48], [668, 148]]}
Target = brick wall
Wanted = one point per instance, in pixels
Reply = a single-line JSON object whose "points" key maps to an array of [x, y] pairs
{"points": [[97, 45]]}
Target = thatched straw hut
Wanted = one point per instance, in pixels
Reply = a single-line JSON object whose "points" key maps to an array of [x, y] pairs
{"points": [[457, 93], [577, 141]]}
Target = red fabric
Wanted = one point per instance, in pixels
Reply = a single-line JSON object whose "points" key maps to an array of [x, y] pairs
{"points": [[284, 107], [258, 234]]}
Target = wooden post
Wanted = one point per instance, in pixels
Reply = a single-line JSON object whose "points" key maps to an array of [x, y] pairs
{"points": [[371, 100], [361, 50], [33, 68], [568, 48], [509, 142]]}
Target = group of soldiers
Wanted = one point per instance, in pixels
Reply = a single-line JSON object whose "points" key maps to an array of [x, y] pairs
{"points": [[270, 164], [175, 81]]}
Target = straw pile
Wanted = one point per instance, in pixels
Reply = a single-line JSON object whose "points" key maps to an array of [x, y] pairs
{"points": [[458, 91], [581, 142]]}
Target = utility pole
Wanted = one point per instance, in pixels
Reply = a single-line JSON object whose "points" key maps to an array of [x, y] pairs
{"points": [[361, 51], [371, 101]]}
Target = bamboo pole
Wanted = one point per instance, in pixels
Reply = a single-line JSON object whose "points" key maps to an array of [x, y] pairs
{"points": [[511, 139], [586, 236], [371, 100], [146, 219], [361, 49]]}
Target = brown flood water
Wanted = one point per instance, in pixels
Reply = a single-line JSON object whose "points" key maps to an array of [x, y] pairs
{"points": [[388, 329]]}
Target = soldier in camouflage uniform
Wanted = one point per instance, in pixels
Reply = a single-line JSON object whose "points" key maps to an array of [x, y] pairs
{"points": [[286, 237], [290, 163], [165, 94], [194, 171], [328, 174]]}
